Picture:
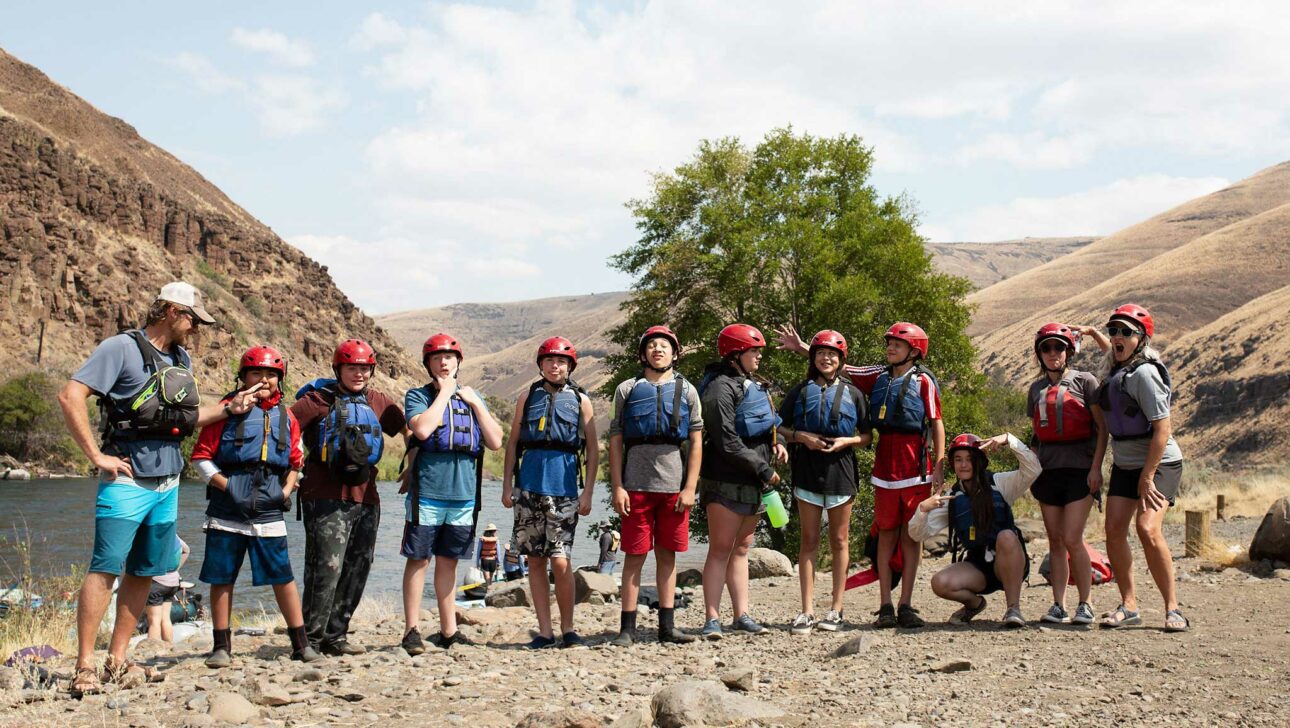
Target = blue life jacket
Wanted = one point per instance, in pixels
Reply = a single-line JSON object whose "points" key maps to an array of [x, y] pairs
{"points": [[964, 535], [349, 437], [254, 453], [552, 422], [459, 431], [896, 405], [829, 411], [656, 413], [1124, 418]]}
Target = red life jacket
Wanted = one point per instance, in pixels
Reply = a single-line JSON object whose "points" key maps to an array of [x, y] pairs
{"points": [[1061, 417]]}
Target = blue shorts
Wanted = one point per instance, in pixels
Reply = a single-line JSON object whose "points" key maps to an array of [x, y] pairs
{"points": [[270, 564], [445, 529], [827, 502], [134, 526]]}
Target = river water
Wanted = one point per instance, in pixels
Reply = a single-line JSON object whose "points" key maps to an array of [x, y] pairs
{"points": [[56, 517]]}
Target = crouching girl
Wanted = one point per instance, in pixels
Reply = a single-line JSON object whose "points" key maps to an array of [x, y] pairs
{"points": [[988, 551]]}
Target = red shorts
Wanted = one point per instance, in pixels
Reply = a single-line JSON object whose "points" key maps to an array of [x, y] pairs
{"points": [[653, 522], [893, 507]]}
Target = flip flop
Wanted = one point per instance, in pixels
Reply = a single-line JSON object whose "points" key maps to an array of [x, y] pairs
{"points": [[966, 613], [1176, 622], [1120, 617]]}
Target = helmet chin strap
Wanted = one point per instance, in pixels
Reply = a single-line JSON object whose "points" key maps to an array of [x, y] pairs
{"points": [[660, 370]]}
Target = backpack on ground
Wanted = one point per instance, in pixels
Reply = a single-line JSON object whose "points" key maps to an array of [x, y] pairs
{"points": [[1102, 573]]}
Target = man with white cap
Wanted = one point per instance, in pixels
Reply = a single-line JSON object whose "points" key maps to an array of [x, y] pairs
{"points": [[149, 402]]}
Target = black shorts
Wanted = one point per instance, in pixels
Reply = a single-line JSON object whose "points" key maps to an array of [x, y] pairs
{"points": [[1124, 483], [488, 564], [992, 582], [158, 594], [1061, 486]]}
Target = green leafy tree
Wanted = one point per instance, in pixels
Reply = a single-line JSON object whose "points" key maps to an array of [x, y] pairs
{"points": [[31, 424], [791, 231]]}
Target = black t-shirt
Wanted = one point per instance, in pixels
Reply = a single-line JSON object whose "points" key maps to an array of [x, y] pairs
{"points": [[826, 473]]}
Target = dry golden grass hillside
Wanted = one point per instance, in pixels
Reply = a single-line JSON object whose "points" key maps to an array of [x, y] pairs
{"points": [[1016, 298], [988, 263]]}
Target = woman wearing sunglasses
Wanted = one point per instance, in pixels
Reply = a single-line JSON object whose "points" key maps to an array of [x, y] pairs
{"points": [[1070, 436], [1147, 471]]}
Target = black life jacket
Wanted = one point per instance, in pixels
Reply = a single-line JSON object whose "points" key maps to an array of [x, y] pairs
{"points": [[164, 408]]}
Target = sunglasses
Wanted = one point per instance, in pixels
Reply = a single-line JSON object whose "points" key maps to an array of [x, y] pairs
{"points": [[1052, 347], [192, 317], [1125, 331]]}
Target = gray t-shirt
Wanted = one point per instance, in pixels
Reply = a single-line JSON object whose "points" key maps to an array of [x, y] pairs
{"points": [[1054, 455], [116, 369], [653, 468], [1146, 388]]}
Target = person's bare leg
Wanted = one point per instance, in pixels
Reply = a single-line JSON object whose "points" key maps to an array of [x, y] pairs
{"points": [[131, 598], [167, 627], [630, 591], [961, 582], [414, 584], [808, 552], [91, 605], [1058, 569], [1119, 514], [540, 586], [665, 564], [221, 605], [563, 592], [153, 615], [840, 543], [912, 552], [737, 568], [1010, 565], [888, 542], [723, 527], [1074, 518], [1160, 561], [288, 600], [445, 594]]}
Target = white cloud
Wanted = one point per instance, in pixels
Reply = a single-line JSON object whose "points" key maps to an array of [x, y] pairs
{"points": [[205, 75], [409, 273], [290, 105], [1033, 150], [1099, 211], [376, 31], [284, 50]]}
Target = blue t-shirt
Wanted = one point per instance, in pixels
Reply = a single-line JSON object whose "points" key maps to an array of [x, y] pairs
{"points": [[440, 475], [116, 369], [549, 472]]}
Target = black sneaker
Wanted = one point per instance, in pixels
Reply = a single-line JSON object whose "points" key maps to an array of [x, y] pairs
{"points": [[412, 643], [540, 643], [907, 617], [571, 639], [456, 638], [308, 654], [342, 647], [675, 637], [886, 617]]}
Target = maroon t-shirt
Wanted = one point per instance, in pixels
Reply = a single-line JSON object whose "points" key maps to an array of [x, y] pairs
{"points": [[318, 482]]}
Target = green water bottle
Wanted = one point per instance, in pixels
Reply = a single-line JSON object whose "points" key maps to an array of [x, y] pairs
{"points": [[775, 509]]}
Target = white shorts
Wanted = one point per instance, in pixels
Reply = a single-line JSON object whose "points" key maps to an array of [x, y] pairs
{"points": [[827, 502]]}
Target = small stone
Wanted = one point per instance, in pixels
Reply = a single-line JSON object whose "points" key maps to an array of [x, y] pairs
{"points": [[854, 646], [740, 678], [198, 702], [567, 718], [311, 674], [267, 692], [232, 708], [352, 696], [452, 681], [954, 666], [118, 703]]}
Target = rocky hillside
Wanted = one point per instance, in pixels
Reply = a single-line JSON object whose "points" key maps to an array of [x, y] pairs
{"points": [[988, 263], [95, 219]]}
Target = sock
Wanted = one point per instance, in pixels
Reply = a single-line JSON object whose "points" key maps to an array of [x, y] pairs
{"points": [[665, 620], [627, 621], [223, 640], [299, 640]]}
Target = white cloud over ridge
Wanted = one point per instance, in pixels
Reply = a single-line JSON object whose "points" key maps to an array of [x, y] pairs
{"points": [[287, 51]]}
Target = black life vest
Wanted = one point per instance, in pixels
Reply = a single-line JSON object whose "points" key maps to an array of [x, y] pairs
{"points": [[164, 408]]}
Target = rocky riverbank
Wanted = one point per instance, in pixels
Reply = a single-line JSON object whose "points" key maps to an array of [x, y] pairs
{"points": [[1232, 668]]}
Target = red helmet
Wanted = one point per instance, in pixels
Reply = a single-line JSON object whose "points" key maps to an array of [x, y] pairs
{"points": [[1055, 330], [353, 351], [441, 342], [738, 338], [965, 441], [911, 334], [1136, 314], [829, 339], [659, 332], [263, 357], [558, 346]]}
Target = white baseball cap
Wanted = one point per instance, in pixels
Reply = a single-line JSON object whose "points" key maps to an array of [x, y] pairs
{"points": [[185, 294]]}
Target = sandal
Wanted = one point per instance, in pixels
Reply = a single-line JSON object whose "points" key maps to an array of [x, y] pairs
{"points": [[86, 682], [966, 613], [128, 674], [1120, 617], [1176, 622]]}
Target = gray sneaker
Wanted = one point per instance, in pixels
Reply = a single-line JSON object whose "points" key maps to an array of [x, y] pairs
{"points": [[1056, 614], [832, 621], [803, 624], [712, 630], [1083, 614], [219, 659], [1012, 618], [747, 624]]}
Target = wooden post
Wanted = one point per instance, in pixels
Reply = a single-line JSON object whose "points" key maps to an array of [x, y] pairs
{"points": [[1222, 507], [40, 347], [1197, 532]]}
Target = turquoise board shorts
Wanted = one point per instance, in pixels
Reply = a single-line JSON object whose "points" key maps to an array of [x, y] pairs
{"points": [[446, 529], [134, 526]]}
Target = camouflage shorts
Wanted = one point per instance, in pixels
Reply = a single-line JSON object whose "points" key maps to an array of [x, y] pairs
{"points": [[544, 524]]}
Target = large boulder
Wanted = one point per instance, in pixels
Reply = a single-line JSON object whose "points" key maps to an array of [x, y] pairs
{"points": [[708, 703], [1032, 529], [513, 594], [690, 577], [586, 583], [1272, 540], [763, 563]]}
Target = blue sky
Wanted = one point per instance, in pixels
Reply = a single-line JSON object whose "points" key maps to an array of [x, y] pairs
{"points": [[432, 153]]}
